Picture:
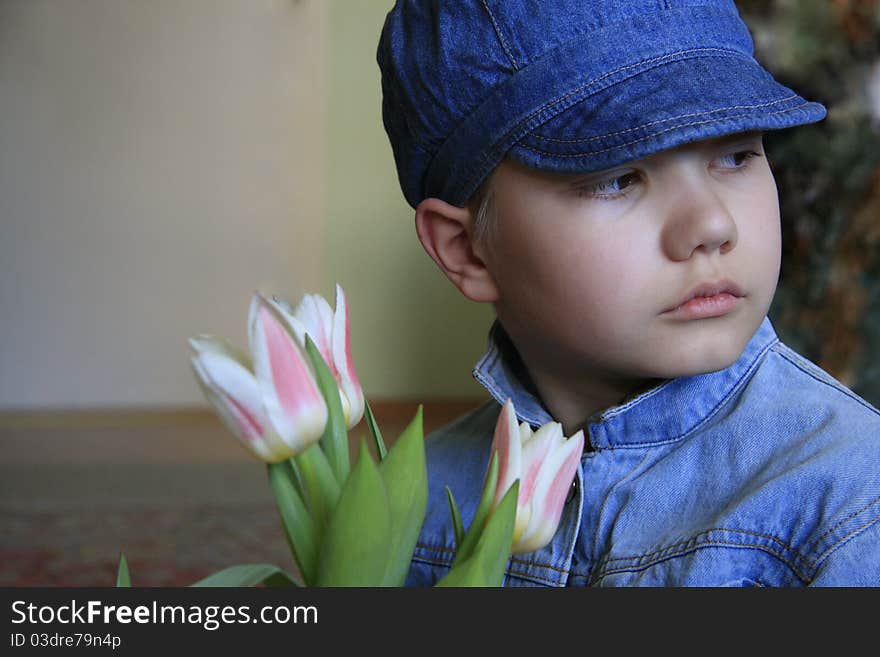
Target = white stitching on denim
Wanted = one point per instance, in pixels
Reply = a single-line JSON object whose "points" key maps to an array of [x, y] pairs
{"points": [[500, 36], [496, 391], [621, 409], [646, 125], [535, 579], [854, 514], [834, 386], [857, 530], [479, 169], [510, 570], [697, 538], [608, 496], [702, 539], [728, 52], [653, 134], [636, 400], [733, 389], [636, 568]]}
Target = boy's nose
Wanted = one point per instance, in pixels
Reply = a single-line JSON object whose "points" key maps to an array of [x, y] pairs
{"points": [[698, 221]]}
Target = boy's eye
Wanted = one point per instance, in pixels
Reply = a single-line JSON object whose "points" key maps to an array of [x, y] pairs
{"points": [[743, 156], [619, 186], [611, 187]]}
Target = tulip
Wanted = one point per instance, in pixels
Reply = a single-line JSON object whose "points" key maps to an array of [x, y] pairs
{"points": [[330, 333], [545, 462], [271, 404]]}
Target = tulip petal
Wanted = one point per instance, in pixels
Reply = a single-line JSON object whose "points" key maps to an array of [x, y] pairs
{"points": [[550, 493], [507, 442], [290, 394], [235, 395], [211, 343], [534, 457], [316, 317], [346, 375], [313, 316]]}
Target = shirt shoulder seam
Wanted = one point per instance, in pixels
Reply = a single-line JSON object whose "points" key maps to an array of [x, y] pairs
{"points": [[818, 374]]}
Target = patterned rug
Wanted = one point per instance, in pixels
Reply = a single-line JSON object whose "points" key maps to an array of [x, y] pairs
{"points": [[163, 546]]}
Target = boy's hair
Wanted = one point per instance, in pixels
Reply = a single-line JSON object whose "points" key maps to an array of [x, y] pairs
{"points": [[571, 86], [482, 209]]}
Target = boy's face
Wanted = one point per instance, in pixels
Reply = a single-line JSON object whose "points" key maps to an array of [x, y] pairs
{"points": [[587, 266]]}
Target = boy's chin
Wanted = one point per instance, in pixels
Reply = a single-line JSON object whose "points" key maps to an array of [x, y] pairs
{"points": [[704, 361]]}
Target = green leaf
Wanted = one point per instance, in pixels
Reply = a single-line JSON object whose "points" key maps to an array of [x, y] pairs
{"points": [[355, 547], [319, 485], [481, 514], [123, 578], [493, 548], [469, 572], [457, 527], [334, 442], [248, 574], [298, 525], [486, 563], [405, 476], [374, 431]]}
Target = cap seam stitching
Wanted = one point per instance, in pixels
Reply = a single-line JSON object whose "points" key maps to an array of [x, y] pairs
{"points": [[478, 170], [645, 125], [653, 134], [639, 64], [500, 36]]}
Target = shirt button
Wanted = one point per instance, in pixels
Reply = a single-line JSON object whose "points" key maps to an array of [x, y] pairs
{"points": [[571, 491]]}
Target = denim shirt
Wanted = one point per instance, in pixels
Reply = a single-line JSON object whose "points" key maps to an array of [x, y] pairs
{"points": [[761, 474]]}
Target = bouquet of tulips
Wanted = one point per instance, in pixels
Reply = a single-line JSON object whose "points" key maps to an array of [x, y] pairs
{"points": [[292, 401]]}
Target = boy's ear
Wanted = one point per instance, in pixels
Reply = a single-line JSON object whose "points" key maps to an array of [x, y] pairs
{"points": [[445, 233]]}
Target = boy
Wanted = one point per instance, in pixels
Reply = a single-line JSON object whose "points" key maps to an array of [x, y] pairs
{"points": [[595, 170]]}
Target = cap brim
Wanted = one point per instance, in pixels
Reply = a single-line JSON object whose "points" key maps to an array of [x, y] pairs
{"points": [[661, 108]]}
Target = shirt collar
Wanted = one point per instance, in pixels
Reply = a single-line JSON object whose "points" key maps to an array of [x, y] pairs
{"points": [[665, 413]]}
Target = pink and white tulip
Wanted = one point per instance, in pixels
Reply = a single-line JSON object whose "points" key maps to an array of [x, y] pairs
{"points": [[545, 462], [330, 333], [271, 404]]}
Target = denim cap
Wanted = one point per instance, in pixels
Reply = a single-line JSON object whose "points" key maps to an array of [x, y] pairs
{"points": [[571, 86]]}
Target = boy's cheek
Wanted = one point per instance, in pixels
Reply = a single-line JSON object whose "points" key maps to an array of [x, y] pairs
{"points": [[762, 248]]}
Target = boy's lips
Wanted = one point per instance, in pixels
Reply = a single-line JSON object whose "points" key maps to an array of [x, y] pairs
{"points": [[709, 289]]}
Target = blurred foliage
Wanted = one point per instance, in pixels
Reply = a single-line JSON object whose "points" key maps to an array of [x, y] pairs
{"points": [[827, 305]]}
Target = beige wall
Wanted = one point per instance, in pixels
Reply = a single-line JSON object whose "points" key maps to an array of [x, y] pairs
{"points": [[160, 160], [415, 335]]}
